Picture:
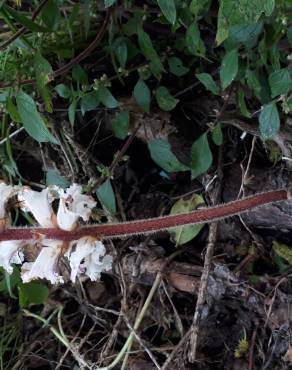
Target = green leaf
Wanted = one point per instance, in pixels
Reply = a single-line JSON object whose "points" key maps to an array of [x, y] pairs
{"points": [[207, 80], [241, 103], [253, 82], [43, 72], [120, 49], [32, 293], [79, 75], [269, 121], [72, 112], [182, 235], [142, 95], [268, 7], [229, 68], [106, 97], [54, 178], [89, 102], [168, 9], [245, 34], [63, 91], [217, 135], [165, 100], [280, 82], [23, 20], [162, 155], [12, 110], [201, 156], [106, 197], [148, 50], [108, 3], [176, 67], [283, 251], [194, 41], [31, 119], [51, 14], [121, 124]]}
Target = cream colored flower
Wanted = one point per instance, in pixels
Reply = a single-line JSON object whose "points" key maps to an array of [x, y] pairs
{"points": [[39, 204], [9, 254], [44, 267], [6, 192], [87, 256], [73, 205]]}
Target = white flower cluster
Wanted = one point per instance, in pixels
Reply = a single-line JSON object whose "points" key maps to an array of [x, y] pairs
{"points": [[86, 255]]}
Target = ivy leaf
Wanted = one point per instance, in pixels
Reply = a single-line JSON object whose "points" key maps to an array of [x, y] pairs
{"points": [[217, 135], [269, 121], [106, 98], [121, 124], [106, 197], [182, 235], [32, 120], [194, 41], [280, 82], [162, 155], [168, 9], [165, 100], [176, 67], [207, 80], [229, 68], [150, 53], [201, 156], [142, 95], [32, 293]]}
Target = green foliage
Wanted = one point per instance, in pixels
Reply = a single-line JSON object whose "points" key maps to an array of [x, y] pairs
{"points": [[269, 121], [168, 9], [229, 68], [106, 197], [207, 80], [201, 156], [121, 124], [142, 95], [165, 100]]}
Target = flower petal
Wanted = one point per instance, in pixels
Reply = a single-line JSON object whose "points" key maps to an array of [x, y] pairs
{"points": [[39, 204], [9, 253], [88, 256], [44, 267], [73, 205]]}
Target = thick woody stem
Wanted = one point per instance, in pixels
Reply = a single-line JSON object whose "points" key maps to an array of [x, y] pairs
{"points": [[152, 225]]}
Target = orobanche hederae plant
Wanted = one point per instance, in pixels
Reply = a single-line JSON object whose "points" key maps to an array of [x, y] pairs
{"points": [[86, 255]]}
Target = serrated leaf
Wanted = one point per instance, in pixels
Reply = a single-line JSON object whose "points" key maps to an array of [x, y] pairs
{"points": [[106, 98], [63, 91], [280, 82], [168, 9], [121, 124], [201, 156], [32, 293], [106, 197], [207, 80], [150, 53], [89, 102], [165, 100], [269, 121], [23, 20], [193, 40], [217, 135], [162, 155], [32, 120], [229, 68], [176, 67], [182, 235], [54, 178], [142, 95]]}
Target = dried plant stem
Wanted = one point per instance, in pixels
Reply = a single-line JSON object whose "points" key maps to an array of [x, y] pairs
{"points": [[152, 225]]}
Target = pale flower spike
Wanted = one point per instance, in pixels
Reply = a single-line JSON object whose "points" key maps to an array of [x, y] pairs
{"points": [[86, 256]]}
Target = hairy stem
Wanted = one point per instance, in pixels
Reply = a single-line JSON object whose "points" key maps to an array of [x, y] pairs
{"points": [[151, 225]]}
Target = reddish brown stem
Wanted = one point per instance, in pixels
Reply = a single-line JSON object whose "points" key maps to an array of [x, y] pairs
{"points": [[151, 225]]}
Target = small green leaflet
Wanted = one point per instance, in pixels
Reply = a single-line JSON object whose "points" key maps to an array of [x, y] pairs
{"points": [[72, 112], [229, 68], [217, 135], [269, 121], [284, 251], [194, 41], [63, 91], [31, 119], [182, 235], [142, 95], [89, 102], [43, 73], [54, 178], [207, 80], [32, 293], [168, 9], [148, 50], [121, 124], [161, 154], [106, 98], [176, 67], [51, 14], [280, 82], [106, 197], [201, 156], [165, 100]]}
